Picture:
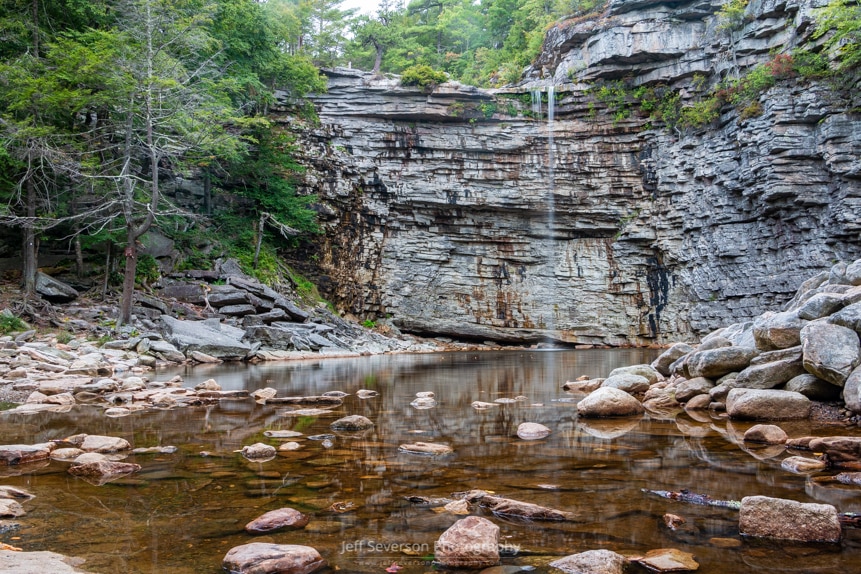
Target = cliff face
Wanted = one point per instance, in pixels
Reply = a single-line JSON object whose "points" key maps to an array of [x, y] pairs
{"points": [[463, 212]]}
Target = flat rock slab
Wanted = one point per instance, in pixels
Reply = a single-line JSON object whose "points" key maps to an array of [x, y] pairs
{"points": [[38, 563], [11, 508], [592, 562], [279, 519], [426, 448], [264, 558], [668, 560], [23, 453], [766, 517], [352, 423]]}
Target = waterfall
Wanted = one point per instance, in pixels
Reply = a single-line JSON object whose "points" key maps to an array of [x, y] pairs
{"points": [[536, 103], [551, 199]]}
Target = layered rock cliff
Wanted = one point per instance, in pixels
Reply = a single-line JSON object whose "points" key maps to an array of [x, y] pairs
{"points": [[473, 214]]}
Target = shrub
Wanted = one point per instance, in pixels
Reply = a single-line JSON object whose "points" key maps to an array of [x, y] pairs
{"points": [[423, 76], [10, 323]]}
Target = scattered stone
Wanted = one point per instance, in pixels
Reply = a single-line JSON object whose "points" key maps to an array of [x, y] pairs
{"points": [[813, 388], [767, 404], [266, 558], [851, 478], [282, 434], [366, 393], [428, 448], [481, 406], [472, 542], [14, 493], [268, 393], [459, 507], [98, 443], [852, 391], [423, 403], [117, 412], [584, 386], [699, 403], [609, 402], [201, 357], [508, 507], [66, 453], [352, 423], [802, 464], [532, 431], [282, 518], [11, 508], [768, 434], [766, 517], [12, 454], [258, 451], [688, 389], [592, 562], [156, 450], [289, 446], [673, 521], [208, 385], [102, 471], [839, 451]]}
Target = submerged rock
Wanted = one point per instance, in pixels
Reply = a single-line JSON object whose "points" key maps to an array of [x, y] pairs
{"points": [[668, 560], [258, 451], [265, 558], [428, 448], [592, 562], [472, 542], [277, 520], [352, 423]]}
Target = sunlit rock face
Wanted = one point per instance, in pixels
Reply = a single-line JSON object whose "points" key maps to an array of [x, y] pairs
{"points": [[460, 212]]}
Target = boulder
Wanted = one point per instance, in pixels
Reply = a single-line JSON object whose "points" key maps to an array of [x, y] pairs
{"points": [[101, 471], [532, 431], [768, 375], [802, 464], [767, 434], [766, 517], [352, 423], [54, 290], [849, 317], [592, 562], [12, 454], [586, 386], [831, 351], [839, 451], [852, 391], [813, 388], [258, 451], [627, 382], [472, 542], [688, 389], [609, 402], [428, 448], [99, 443], [853, 272], [11, 508], [766, 404], [820, 305], [718, 362], [13, 562], [282, 518], [266, 558], [670, 356], [647, 371], [740, 335], [777, 330], [200, 336]]}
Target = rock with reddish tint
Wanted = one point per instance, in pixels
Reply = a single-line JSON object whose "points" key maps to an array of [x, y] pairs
{"points": [[103, 470], [609, 402], [97, 443], [532, 431], [767, 434], [802, 464], [688, 389], [592, 562], [258, 451], [673, 521], [11, 508], [428, 448], [11, 454], [766, 517], [839, 451], [282, 518], [767, 404], [585, 386], [472, 542], [266, 558], [668, 560]]}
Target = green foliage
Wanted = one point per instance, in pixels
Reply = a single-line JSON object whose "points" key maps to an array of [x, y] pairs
{"points": [[839, 24], [10, 323], [423, 76], [147, 270], [369, 324], [810, 65], [64, 337], [731, 16]]}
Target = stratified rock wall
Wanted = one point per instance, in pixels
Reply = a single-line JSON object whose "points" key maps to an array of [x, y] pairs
{"points": [[462, 212]]}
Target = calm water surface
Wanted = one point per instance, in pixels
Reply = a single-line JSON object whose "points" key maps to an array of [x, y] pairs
{"points": [[183, 511]]}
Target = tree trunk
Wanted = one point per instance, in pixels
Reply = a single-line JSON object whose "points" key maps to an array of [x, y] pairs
{"points": [[378, 61], [28, 270], [207, 192], [109, 264], [131, 255], [79, 257], [259, 240]]}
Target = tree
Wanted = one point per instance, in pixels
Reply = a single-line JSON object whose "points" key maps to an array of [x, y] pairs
{"points": [[840, 24]]}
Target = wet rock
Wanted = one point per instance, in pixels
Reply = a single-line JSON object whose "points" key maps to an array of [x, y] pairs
{"points": [[156, 450], [630, 383], [852, 391], [481, 406], [802, 464], [458, 507], [767, 404], [718, 362], [668, 560], [11, 508], [99, 443], [266, 558], [767, 434], [831, 352], [813, 388], [699, 403], [472, 542], [508, 507], [532, 431], [258, 451], [673, 521], [366, 393], [422, 403], [839, 451], [14, 493], [265, 394], [647, 371], [102, 471], [766, 517], [428, 448], [116, 412], [12, 454], [66, 453], [352, 423], [310, 400], [282, 434], [778, 330], [282, 518], [585, 386], [609, 402], [289, 446], [208, 385], [851, 478], [12, 562], [592, 562]]}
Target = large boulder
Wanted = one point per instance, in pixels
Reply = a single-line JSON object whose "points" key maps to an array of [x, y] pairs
{"points": [[592, 562], [852, 391], [831, 351], [647, 371], [627, 382], [813, 388], [770, 374], [670, 356], [609, 402], [204, 337], [54, 290], [778, 330], [472, 542], [766, 404], [839, 451], [716, 363], [767, 517], [849, 317], [820, 305], [266, 558], [688, 389]]}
